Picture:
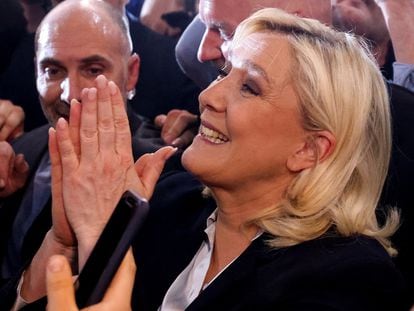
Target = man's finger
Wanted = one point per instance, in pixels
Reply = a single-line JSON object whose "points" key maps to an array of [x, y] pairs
{"points": [[122, 131], [60, 291], [13, 124], [176, 123], [56, 166], [106, 131], [68, 157], [6, 160], [21, 171], [160, 120], [88, 129], [74, 124], [185, 139]]}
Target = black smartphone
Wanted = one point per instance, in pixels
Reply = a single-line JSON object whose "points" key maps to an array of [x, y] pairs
{"points": [[110, 249]]}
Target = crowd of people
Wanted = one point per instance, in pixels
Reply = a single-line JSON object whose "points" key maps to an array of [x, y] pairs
{"points": [[272, 139]]}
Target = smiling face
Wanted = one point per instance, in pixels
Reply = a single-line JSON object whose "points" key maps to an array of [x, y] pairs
{"points": [[250, 119], [74, 46], [221, 18]]}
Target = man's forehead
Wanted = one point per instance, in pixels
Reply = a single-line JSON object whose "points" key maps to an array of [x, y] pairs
{"points": [[232, 12], [221, 12], [66, 32], [79, 16], [77, 48]]}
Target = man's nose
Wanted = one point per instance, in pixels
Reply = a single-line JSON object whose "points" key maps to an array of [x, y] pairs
{"points": [[71, 89], [209, 49]]}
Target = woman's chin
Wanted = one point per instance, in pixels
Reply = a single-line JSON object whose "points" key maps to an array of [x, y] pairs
{"points": [[196, 161], [189, 159]]}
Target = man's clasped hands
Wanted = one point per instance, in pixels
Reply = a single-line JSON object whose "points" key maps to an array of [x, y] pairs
{"points": [[92, 166]]}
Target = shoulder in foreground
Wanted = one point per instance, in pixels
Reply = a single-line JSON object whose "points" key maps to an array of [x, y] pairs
{"points": [[353, 272], [332, 253], [35, 139]]}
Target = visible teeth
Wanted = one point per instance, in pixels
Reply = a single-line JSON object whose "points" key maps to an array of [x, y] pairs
{"points": [[212, 135]]}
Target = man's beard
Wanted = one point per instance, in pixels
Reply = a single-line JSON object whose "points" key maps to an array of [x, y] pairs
{"points": [[60, 109]]}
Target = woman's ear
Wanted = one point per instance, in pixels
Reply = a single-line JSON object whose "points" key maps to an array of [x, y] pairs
{"points": [[133, 71], [318, 146]]}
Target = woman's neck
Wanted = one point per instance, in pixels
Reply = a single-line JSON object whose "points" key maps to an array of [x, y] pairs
{"points": [[230, 241], [234, 229], [238, 205]]}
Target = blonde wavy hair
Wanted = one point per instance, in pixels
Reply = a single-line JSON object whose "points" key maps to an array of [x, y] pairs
{"points": [[341, 90]]}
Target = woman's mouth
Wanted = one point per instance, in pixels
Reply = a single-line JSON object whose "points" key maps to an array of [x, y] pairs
{"points": [[212, 135]]}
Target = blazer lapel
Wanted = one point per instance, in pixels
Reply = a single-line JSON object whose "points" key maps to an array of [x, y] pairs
{"points": [[32, 145], [241, 269]]}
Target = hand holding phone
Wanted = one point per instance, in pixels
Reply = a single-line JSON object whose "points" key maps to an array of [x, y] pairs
{"points": [[111, 247]]}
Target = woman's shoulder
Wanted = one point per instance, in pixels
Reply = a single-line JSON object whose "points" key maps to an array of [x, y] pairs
{"points": [[332, 252], [328, 273], [332, 245], [333, 270]]}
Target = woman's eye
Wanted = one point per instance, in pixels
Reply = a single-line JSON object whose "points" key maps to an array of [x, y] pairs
{"points": [[249, 89]]}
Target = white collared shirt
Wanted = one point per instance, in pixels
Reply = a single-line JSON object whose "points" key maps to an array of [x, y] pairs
{"points": [[189, 283]]}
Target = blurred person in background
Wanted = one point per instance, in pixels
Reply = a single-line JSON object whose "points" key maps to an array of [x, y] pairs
{"points": [[168, 17], [389, 27]]}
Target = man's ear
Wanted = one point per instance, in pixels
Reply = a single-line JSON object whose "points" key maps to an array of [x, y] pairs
{"points": [[133, 71], [317, 147]]}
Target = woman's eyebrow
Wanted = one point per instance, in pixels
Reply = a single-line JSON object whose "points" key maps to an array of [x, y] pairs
{"points": [[255, 68]]}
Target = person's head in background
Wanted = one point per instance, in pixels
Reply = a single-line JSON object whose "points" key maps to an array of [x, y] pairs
{"points": [[199, 50], [77, 41], [221, 17], [364, 18]]}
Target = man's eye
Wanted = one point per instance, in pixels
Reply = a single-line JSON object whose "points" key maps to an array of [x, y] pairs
{"points": [[222, 74], [94, 71], [225, 36], [54, 73]]}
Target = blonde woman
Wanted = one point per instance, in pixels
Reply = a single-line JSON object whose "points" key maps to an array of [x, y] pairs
{"points": [[293, 146]]}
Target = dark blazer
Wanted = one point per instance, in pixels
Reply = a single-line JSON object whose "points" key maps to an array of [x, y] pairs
{"points": [[33, 145], [329, 273], [398, 188]]}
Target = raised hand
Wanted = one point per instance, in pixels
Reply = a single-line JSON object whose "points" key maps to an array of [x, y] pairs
{"points": [[94, 166], [11, 120], [178, 127], [13, 170]]}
